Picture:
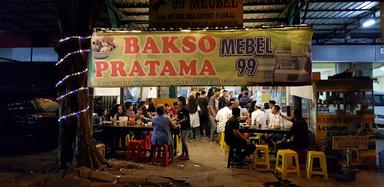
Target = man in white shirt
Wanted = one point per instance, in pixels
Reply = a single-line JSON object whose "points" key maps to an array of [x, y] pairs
{"points": [[223, 115], [258, 116], [275, 120], [268, 112]]}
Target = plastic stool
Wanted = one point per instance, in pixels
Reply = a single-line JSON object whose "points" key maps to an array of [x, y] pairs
{"points": [[147, 142], [255, 138], [265, 161], [135, 150], [101, 149], [311, 155], [222, 140], [162, 154], [129, 138], [287, 156], [246, 135], [226, 149]]}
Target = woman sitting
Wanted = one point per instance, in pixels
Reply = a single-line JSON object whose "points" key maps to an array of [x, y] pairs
{"points": [[162, 128], [143, 114], [121, 112], [100, 117], [130, 111]]}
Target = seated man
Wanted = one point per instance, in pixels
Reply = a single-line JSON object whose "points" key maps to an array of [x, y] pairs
{"points": [[234, 139], [275, 121]]}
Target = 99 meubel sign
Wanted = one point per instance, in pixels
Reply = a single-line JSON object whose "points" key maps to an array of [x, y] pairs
{"points": [[195, 13], [163, 59]]}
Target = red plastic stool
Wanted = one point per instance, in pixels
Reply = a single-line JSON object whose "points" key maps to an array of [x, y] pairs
{"points": [[162, 154], [135, 150], [246, 135], [147, 141]]}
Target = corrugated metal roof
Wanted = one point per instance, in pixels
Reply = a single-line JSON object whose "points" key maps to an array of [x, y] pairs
{"points": [[332, 20]]}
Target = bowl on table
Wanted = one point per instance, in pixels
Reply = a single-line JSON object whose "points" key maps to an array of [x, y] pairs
{"points": [[102, 55]]}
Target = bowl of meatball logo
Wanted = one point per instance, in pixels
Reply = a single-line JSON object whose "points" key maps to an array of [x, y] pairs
{"points": [[102, 48]]}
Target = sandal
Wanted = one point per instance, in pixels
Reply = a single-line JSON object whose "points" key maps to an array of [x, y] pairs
{"points": [[183, 158]]}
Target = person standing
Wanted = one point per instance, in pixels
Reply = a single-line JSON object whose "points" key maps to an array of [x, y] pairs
{"points": [[213, 108], [223, 115], [193, 116], [173, 110], [243, 90], [223, 99], [183, 122], [244, 100], [202, 101]]}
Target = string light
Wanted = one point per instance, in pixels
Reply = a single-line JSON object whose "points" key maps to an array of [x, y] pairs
{"points": [[72, 53], [71, 92], [71, 75], [73, 114], [74, 37]]}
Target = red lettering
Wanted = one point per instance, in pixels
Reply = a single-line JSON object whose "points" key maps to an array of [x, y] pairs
{"points": [[168, 68], [152, 66], [189, 45], [150, 45], [101, 67], [136, 68], [169, 45], [211, 44], [117, 68], [131, 45], [208, 69], [187, 70]]}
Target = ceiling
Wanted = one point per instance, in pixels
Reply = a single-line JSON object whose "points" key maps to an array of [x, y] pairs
{"points": [[334, 21]]}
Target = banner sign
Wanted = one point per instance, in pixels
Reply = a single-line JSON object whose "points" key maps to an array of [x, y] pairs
{"points": [[238, 57], [350, 142], [195, 13]]}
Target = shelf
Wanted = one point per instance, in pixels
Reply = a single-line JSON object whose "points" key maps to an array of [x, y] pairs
{"points": [[343, 85]]}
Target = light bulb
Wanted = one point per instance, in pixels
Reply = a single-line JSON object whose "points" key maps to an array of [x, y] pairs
{"points": [[369, 22]]}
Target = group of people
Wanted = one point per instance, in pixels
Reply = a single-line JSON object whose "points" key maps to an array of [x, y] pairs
{"points": [[298, 136], [228, 112], [142, 111], [209, 116], [167, 121]]}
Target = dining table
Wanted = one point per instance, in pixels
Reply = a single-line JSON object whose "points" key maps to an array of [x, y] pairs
{"points": [[114, 136], [247, 129]]}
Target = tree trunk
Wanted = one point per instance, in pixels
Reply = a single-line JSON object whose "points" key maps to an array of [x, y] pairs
{"points": [[76, 144]]}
